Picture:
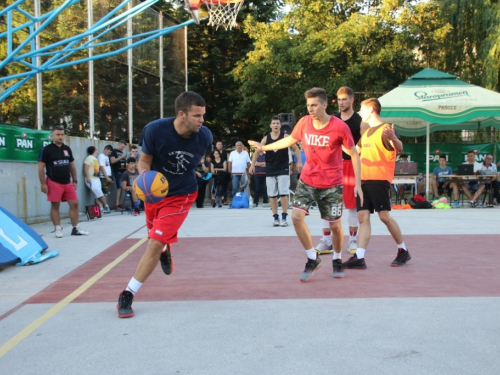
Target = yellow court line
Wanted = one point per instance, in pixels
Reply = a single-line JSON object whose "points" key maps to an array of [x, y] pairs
{"points": [[5, 348]]}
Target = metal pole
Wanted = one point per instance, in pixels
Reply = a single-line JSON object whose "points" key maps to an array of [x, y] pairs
{"points": [[130, 87], [39, 88], [186, 58], [427, 153], [90, 22], [160, 62]]}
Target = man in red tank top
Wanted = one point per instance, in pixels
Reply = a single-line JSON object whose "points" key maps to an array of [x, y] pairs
{"points": [[379, 145], [322, 138]]}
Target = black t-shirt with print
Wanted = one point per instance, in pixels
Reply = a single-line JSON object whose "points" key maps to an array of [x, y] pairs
{"points": [[57, 162], [119, 166]]}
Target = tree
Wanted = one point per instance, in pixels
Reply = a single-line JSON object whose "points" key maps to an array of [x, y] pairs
{"points": [[472, 51], [365, 45]]}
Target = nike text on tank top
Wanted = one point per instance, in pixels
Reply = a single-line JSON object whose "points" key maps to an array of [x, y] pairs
{"points": [[277, 162], [377, 162], [323, 149]]}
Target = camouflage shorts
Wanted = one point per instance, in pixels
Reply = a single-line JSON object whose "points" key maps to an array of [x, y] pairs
{"points": [[329, 200]]}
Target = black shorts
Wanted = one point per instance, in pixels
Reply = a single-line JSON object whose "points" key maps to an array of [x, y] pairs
{"points": [[376, 196]]}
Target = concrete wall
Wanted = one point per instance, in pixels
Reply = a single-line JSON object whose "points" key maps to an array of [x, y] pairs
{"points": [[20, 192]]}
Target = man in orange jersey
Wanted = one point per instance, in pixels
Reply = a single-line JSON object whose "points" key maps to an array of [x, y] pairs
{"points": [[379, 145]]}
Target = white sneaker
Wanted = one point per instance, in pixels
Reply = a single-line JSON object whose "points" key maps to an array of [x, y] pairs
{"points": [[323, 247], [352, 245], [106, 209], [284, 223], [276, 223], [78, 232], [59, 231]]}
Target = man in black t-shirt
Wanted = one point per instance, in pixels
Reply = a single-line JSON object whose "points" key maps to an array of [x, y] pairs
{"points": [[118, 166], [223, 155], [58, 179], [277, 172]]}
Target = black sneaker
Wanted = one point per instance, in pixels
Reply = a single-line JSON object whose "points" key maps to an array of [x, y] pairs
{"points": [[125, 305], [402, 258], [311, 266], [338, 269], [355, 263], [166, 261]]}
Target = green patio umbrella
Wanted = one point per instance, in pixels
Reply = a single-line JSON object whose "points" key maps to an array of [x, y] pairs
{"points": [[432, 100]]}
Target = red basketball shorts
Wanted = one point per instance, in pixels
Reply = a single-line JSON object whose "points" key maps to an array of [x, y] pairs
{"points": [[349, 184], [60, 192], [163, 219]]}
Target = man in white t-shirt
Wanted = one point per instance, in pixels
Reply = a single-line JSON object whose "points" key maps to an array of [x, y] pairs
{"points": [[239, 161], [486, 168], [105, 169], [91, 172]]}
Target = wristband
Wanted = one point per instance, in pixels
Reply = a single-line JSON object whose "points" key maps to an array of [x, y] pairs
{"points": [[75, 181]]}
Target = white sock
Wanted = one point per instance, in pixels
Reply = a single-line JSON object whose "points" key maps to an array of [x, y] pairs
{"points": [[337, 255], [311, 253], [133, 285], [402, 246], [360, 253]]}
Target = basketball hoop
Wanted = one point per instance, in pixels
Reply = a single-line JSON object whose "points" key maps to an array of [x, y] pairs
{"points": [[220, 12]]}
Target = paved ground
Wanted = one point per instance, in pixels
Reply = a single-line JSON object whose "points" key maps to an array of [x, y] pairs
{"points": [[235, 304]]}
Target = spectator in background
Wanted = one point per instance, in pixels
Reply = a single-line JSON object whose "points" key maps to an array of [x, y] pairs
{"points": [[133, 153], [489, 169], [91, 173], [443, 183], [223, 155], [239, 161], [128, 179], [259, 177], [473, 186], [61, 181], [118, 165], [105, 174], [203, 175], [218, 168]]}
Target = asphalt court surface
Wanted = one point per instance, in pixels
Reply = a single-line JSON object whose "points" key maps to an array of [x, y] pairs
{"points": [[235, 305]]}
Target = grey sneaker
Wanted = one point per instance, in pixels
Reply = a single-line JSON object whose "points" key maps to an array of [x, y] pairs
{"points": [[352, 245], [323, 247], [124, 306], [338, 269], [276, 223], [59, 231], [311, 266], [284, 223]]}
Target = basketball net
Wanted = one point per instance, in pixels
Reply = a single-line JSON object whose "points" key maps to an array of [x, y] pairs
{"points": [[221, 14]]}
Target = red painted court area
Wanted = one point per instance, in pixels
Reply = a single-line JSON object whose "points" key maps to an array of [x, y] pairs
{"points": [[270, 267]]}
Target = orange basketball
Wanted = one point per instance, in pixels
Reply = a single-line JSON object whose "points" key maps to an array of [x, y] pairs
{"points": [[151, 186]]}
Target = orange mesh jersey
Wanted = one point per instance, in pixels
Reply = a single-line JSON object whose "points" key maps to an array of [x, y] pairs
{"points": [[377, 162]]}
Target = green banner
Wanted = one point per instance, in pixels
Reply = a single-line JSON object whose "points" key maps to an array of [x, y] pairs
{"points": [[456, 153], [22, 144]]}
